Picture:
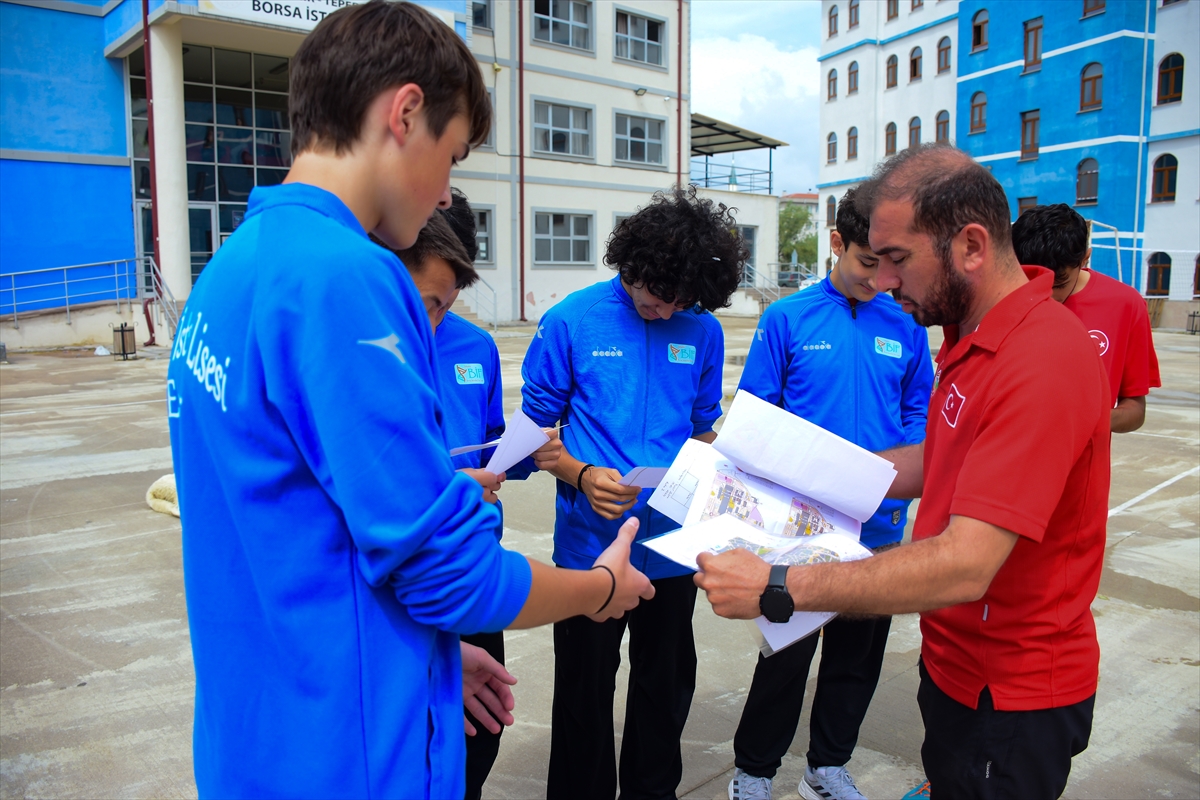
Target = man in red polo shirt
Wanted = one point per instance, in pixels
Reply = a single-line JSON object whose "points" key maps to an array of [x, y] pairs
{"points": [[1009, 537], [1056, 237]]}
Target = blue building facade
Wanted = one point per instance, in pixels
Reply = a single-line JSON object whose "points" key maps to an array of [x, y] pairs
{"points": [[1055, 99]]}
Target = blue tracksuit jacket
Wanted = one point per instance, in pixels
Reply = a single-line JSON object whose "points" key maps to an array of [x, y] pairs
{"points": [[863, 373], [633, 392], [468, 372], [331, 553]]}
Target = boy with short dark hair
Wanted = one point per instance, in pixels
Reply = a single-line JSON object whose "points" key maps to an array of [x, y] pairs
{"points": [[331, 553], [1056, 237], [848, 359], [634, 365]]}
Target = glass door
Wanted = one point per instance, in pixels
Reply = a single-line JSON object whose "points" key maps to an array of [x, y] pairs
{"points": [[202, 236], [145, 244]]}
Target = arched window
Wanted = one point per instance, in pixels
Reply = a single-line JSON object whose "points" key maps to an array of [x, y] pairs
{"points": [[978, 112], [979, 26], [852, 143], [833, 20], [831, 85], [853, 9], [1087, 181], [1158, 277], [1170, 79], [893, 67], [943, 126], [889, 139], [1163, 187], [831, 149], [831, 211], [914, 65], [944, 55], [914, 132], [1091, 87], [852, 78]]}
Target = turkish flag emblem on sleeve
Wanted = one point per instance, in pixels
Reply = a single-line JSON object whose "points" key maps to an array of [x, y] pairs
{"points": [[953, 405]]}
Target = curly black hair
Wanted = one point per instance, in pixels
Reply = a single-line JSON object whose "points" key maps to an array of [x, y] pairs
{"points": [[852, 226], [682, 248]]}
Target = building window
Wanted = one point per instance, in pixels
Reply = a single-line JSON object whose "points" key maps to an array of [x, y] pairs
{"points": [[831, 149], [852, 78], [562, 129], [639, 139], [749, 235], [1170, 79], [914, 132], [1030, 133], [562, 238], [1091, 87], [889, 139], [1163, 187], [979, 33], [1171, 2], [893, 9], [483, 236], [852, 22], [481, 14], [565, 22], [1196, 279], [943, 126], [1033, 44], [852, 144], [833, 12], [491, 137], [1158, 280], [1087, 182], [944, 55], [1025, 203], [978, 112], [914, 65], [831, 85], [1092, 7], [639, 38], [917, 4], [830, 211], [893, 67]]}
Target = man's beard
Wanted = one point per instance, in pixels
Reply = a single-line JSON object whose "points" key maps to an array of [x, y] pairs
{"points": [[949, 300]]}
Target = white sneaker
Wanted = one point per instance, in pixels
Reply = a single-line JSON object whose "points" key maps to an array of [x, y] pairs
{"points": [[749, 787], [829, 783]]}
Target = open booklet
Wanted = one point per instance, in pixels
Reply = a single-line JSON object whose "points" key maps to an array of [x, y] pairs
{"points": [[771, 483]]}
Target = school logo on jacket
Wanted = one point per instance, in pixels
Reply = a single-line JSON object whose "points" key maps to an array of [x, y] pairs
{"points": [[888, 347], [953, 405], [467, 374], [1101, 340], [681, 353]]}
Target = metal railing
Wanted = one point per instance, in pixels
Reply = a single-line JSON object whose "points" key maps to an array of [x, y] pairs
{"points": [[56, 288], [481, 297], [711, 175], [158, 297]]}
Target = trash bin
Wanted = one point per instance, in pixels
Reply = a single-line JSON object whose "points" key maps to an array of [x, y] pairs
{"points": [[124, 343], [1193, 323]]}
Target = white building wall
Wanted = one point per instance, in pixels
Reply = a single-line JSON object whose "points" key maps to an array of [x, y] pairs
{"points": [[1172, 227], [874, 105]]}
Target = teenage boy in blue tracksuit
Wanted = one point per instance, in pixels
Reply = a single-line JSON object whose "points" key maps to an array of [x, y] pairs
{"points": [[331, 553], [634, 366], [847, 358]]}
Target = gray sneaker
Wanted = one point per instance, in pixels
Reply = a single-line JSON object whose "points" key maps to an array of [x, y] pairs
{"points": [[749, 787], [829, 783]]}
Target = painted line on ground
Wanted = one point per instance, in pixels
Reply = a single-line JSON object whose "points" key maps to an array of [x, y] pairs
{"points": [[82, 408], [1130, 503]]}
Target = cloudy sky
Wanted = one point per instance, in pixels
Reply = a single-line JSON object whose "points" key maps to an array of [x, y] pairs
{"points": [[754, 63]]}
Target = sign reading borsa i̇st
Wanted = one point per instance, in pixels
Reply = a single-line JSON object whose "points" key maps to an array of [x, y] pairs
{"points": [[299, 14]]}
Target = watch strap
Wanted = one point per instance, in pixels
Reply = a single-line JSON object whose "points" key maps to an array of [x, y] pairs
{"points": [[778, 576]]}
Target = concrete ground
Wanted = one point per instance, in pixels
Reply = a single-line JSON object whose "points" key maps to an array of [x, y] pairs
{"points": [[95, 664]]}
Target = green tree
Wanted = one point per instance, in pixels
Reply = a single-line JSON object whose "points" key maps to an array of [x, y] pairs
{"points": [[796, 233]]}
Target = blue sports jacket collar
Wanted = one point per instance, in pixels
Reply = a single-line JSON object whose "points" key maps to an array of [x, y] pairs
{"points": [[622, 295], [303, 194]]}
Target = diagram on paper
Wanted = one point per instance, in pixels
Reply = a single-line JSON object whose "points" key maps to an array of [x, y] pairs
{"points": [[806, 519], [728, 495], [796, 555]]}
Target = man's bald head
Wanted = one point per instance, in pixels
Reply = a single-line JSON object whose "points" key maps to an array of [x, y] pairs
{"points": [[948, 190]]}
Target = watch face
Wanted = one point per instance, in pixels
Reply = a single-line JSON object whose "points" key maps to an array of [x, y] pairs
{"points": [[776, 605]]}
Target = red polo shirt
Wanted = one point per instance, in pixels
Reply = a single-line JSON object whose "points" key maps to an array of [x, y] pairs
{"points": [[1018, 436]]}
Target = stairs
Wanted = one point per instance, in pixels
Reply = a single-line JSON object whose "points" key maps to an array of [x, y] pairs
{"points": [[463, 310]]}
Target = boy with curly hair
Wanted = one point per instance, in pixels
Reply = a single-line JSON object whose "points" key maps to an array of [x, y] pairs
{"points": [[634, 366]]}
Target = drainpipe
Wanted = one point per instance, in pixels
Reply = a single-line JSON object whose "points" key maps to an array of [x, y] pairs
{"points": [[150, 127], [679, 99], [520, 147], [1140, 191]]}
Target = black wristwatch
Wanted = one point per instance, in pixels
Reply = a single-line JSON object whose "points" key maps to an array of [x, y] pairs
{"points": [[776, 602]]}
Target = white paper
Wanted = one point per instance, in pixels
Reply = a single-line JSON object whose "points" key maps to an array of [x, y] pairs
{"points": [[771, 443], [726, 532], [521, 437], [702, 484], [644, 477], [471, 448]]}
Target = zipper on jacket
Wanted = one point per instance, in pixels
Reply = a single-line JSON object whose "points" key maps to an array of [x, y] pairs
{"points": [[645, 523], [853, 308]]}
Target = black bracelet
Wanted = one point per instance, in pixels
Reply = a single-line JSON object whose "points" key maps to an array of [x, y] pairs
{"points": [[611, 591], [579, 479]]}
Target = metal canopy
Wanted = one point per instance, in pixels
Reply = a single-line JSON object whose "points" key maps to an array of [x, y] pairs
{"points": [[712, 136]]}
